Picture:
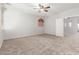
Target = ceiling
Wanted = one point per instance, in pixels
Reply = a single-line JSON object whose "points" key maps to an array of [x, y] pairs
{"points": [[55, 7]]}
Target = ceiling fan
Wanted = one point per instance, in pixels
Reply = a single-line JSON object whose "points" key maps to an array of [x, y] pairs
{"points": [[43, 7]]}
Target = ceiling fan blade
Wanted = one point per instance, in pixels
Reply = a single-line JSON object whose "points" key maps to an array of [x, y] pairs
{"points": [[45, 10], [41, 6], [47, 7]]}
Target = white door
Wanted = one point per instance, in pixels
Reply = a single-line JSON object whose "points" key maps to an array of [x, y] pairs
{"points": [[59, 27]]}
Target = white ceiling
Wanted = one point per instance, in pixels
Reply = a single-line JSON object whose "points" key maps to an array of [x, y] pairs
{"points": [[55, 7]]}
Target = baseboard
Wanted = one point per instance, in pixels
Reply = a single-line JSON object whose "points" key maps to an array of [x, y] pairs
{"points": [[50, 34], [23, 36], [31, 35], [54, 35]]}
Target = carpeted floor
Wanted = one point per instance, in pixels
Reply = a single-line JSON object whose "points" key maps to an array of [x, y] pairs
{"points": [[43, 44]]}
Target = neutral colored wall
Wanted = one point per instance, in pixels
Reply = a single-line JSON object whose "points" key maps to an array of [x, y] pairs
{"points": [[1, 34], [50, 25], [19, 24], [71, 12]]}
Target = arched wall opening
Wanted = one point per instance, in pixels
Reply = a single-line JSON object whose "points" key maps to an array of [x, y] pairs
{"points": [[71, 25]]}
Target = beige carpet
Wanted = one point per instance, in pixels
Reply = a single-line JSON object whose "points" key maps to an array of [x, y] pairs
{"points": [[41, 45]]}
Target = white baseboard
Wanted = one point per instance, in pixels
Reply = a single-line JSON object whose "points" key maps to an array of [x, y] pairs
{"points": [[22, 36]]}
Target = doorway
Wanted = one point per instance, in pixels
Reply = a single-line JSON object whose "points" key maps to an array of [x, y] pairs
{"points": [[71, 26]]}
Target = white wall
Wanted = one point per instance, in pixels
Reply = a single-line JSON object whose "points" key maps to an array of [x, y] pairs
{"points": [[71, 12], [50, 25], [1, 33], [19, 24], [54, 25]]}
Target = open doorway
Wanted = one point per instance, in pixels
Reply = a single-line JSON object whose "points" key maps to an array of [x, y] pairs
{"points": [[71, 26]]}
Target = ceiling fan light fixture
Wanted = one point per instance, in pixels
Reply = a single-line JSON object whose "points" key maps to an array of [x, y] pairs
{"points": [[43, 7]]}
